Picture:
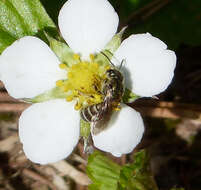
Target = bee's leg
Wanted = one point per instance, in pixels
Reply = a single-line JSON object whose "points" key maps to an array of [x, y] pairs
{"points": [[96, 126], [96, 89], [121, 64], [104, 54]]}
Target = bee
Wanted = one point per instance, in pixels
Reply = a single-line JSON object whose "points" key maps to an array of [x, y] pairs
{"points": [[112, 89]]}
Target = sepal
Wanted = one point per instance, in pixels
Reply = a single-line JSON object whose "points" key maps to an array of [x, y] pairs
{"points": [[55, 93], [62, 50], [129, 96], [115, 42]]}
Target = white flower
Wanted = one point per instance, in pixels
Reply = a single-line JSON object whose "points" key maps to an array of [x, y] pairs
{"points": [[124, 134], [50, 130]]}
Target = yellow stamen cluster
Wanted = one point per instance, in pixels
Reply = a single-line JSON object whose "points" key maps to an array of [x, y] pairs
{"points": [[84, 82]]}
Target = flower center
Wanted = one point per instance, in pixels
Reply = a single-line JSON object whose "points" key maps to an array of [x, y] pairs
{"points": [[84, 82]]}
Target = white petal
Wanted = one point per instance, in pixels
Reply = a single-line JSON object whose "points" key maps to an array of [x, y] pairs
{"points": [[49, 131], [87, 25], [149, 66], [28, 67], [124, 132]]}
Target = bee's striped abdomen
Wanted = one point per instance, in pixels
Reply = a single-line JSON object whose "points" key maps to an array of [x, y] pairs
{"points": [[99, 114], [89, 113]]}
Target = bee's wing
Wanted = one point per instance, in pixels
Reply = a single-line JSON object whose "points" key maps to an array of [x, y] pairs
{"points": [[100, 125]]}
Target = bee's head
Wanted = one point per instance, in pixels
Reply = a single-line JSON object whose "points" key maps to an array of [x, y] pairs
{"points": [[110, 73], [114, 73]]}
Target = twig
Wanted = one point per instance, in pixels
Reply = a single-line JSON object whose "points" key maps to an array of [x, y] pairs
{"points": [[9, 143], [57, 180], [13, 107], [164, 104], [39, 178], [4, 97], [155, 9], [1, 85], [78, 159], [63, 167], [79, 187], [171, 110], [148, 108], [144, 13], [60, 183], [67, 169], [8, 186], [19, 161]]}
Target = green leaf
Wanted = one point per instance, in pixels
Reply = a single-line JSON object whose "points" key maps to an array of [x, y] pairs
{"points": [[103, 172], [137, 176], [54, 93], [20, 18], [53, 7], [5, 40], [129, 96]]}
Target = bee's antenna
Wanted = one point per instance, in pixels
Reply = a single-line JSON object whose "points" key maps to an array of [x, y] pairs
{"points": [[108, 58], [121, 64], [123, 60]]}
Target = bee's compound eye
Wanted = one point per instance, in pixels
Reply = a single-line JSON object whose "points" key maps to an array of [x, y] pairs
{"points": [[110, 72]]}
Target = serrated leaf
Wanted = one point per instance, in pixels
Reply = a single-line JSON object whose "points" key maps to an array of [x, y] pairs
{"points": [[137, 176], [53, 7], [20, 18], [103, 172], [55, 93], [129, 96]]}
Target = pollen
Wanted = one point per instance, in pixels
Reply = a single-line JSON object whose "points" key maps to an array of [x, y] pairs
{"points": [[92, 57], [63, 66], [76, 57], [84, 82], [59, 83]]}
